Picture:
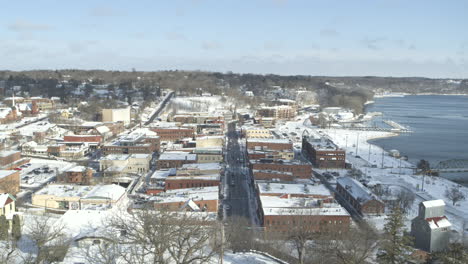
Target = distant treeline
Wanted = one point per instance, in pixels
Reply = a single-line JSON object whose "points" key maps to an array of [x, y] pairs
{"points": [[349, 92]]}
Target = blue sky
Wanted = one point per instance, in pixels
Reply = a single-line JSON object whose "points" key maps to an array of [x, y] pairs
{"points": [[348, 37]]}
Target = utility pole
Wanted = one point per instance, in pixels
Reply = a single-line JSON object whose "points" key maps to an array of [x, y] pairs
{"points": [[368, 158], [383, 155], [346, 144], [357, 143], [221, 255]]}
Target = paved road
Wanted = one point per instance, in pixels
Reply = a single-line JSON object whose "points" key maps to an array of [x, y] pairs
{"points": [[238, 197]]}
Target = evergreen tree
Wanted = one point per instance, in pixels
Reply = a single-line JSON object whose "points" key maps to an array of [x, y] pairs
{"points": [[395, 244], [16, 227], [3, 228]]}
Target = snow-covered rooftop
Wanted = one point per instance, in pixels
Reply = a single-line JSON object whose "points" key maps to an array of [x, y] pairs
{"points": [[433, 203], [358, 191], [293, 188], [182, 195], [174, 155]]}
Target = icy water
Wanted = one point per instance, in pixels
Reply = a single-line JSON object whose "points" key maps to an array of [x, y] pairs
{"points": [[439, 124]]}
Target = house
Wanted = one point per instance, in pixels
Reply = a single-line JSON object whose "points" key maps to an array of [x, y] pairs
{"points": [[431, 228], [361, 198], [7, 204]]}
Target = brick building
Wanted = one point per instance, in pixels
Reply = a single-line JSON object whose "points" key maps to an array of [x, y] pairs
{"points": [[281, 215], [78, 175], [11, 159], [174, 133], [361, 198], [323, 153], [269, 144], [299, 170], [175, 159], [181, 182], [273, 175], [83, 138], [9, 181], [278, 112]]}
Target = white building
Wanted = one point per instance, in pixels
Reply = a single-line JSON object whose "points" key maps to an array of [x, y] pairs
{"points": [[115, 115], [431, 228]]}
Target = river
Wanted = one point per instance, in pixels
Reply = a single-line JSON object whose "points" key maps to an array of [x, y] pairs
{"points": [[439, 124]]}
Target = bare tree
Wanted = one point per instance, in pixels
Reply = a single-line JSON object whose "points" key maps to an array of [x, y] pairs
{"points": [[353, 247], [404, 200], [50, 241], [455, 195], [159, 236], [238, 231]]}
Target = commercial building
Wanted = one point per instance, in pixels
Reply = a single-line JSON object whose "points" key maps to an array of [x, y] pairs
{"points": [[9, 181], [361, 198], [203, 199], [77, 197], [295, 190], [209, 155], [77, 175], [279, 112], [323, 153], [174, 133], [175, 159], [298, 169], [118, 164], [135, 143], [431, 228], [280, 215], [181, 182], [210, 142], [11, 159], [116, 115], [269, 144]]}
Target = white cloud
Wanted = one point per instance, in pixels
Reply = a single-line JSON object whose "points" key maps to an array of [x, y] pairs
{"points": [[22, 26], [211, 45]]}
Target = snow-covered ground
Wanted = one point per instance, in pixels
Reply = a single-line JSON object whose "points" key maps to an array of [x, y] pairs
{"points": [[41, 171], [379, 167]]}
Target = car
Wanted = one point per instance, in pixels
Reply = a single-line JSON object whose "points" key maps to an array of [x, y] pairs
{"points": [[18, 169]]}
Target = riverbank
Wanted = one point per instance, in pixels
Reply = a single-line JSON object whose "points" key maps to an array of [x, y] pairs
{"points": [[379, 167]]}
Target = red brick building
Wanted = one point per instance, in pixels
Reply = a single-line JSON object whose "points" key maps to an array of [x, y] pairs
{"points": [[83, 138], [133, 144], [323, 153], [269, 144], [273, 175], [78, 175], [9, 181], [175, 159], [361, 198], [174, 133], [181, 182], [299, 170]]}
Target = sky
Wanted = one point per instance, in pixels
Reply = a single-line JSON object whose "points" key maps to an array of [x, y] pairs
{"points": [[425, 38]]}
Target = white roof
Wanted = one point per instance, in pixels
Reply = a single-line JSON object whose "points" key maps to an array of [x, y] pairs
{"points": [[358, 191], [111, 191], [163, 174], [182, 195], [177, 156], [293, 188], [64, 190], [269, 140], [433, 203], [6, 173], [273, 205], [435, 223], [203, 166], [102, 129], [77, 169]]}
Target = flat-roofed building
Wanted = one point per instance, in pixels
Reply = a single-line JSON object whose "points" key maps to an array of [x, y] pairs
{"points": [[361, 198], [204, 199], [173, 159], [9, 181], [269, 144], [323, 153]]}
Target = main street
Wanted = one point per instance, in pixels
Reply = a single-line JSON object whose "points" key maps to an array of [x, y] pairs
{"points": [[238, 197]]}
